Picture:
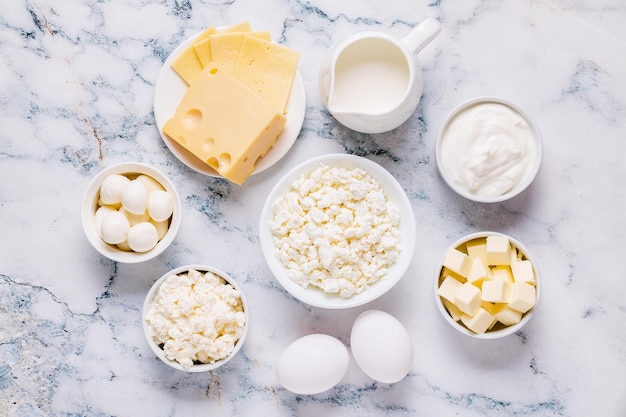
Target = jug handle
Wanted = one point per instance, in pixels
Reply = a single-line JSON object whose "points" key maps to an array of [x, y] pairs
{"points": [[421, 35]]}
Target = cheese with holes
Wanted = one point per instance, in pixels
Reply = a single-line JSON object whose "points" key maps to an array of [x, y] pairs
{"points": [[229, 129], [268, 68]]}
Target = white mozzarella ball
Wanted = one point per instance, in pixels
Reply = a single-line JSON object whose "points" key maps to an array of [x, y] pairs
{"points": [[114, 228], [142, 237], [160, 205], [134, 197], [133, 218], [150, 183], [312, 364], [111, 188], [162, 227], [381, 346], [101, 213]]}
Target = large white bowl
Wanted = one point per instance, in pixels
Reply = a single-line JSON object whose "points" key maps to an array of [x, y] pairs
{"points": [[522, 184], [90, 205], [394, 193], [156, 349], [499, 330]]}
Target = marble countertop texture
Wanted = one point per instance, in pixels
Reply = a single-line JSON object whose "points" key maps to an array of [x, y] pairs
{"points": [[76, 95]]}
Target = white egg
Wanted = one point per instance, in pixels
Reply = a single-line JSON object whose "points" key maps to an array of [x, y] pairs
{"points": [[142, 237], [150, 183], [134, 197], [160, 205], [114, 228], [312, 364], [381, 346], [111, 188]]}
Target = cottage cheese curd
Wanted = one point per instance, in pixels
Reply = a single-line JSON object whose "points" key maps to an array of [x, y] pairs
{"points": [[335, 230], [196, 317]]}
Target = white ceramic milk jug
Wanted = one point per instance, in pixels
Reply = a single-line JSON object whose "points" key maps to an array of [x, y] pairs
{"points": [[372, 82]]}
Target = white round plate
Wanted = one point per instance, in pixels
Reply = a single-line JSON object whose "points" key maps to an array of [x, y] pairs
{"points": [[169, 91], [394, 193]]}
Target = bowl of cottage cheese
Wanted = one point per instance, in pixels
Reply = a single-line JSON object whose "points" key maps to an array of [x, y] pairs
{"points": [[195, 318], [337, 231]]}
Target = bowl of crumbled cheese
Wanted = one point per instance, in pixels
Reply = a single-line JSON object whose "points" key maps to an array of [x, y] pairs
{"points": [[338, 231], [195, 318]]}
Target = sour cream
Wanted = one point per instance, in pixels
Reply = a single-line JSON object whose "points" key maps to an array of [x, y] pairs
{"points": [[488, 148]]}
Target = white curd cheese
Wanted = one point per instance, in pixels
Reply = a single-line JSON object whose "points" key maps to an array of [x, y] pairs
{"points": [[196, 317], [335, 230], [488, 148]]}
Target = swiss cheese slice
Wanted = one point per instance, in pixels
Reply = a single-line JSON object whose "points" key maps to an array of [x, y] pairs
{"points": [[187, 65], [267, 68], [225, 47], [202, 46], [225, 124]]}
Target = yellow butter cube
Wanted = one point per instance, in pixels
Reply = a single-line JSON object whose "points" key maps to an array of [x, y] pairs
{"points": [[467, 298], [454, 311], [522, 297], [477, 249], [478, 272], [498, 250], [496, 291], [457, 261], [523, 272], [480, 322], [506, 315], [501, 273], [449, 286]]}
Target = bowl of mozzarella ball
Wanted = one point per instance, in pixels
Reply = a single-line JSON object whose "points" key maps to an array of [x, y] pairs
{"points": [[195, 318], [337, 231], [487, 285], [130, 212]]}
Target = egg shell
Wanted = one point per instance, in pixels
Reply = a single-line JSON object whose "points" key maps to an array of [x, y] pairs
{"points": [[312, 364], [381, 346], [111, 188], [134, 197]]}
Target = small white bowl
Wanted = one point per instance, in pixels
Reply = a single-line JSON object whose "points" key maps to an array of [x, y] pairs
{"points": [[524, 181], [394, 194], [156, 349], [499, 330], [90, 205]]}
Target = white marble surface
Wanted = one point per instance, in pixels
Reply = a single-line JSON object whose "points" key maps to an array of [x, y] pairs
{"points": [[76, 85]]}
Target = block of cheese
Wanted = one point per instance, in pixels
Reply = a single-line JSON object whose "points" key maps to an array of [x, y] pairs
{"points": [[522, 297], [478, 272], [226, 47], [467, 299], [496, 291], [457, 261], [523, 271], [268, 68], [449, 286], [498, 250], [479, 322], [225, 124]]}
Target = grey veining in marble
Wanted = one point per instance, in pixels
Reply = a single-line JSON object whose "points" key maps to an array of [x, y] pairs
{"points": [[77, 80]]}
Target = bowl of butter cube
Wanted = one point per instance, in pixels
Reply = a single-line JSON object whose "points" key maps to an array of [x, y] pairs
{"points": [[487, 285]]}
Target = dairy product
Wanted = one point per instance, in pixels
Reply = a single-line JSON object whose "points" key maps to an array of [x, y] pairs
{"points": [[137, 216], [239, 83], [491, 295], [335, 230], [196, 317], [228, 129], [488, 148], [267, 68]]}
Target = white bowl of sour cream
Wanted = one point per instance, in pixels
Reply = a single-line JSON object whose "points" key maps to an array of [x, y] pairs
{"points": [[488, 150]]}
